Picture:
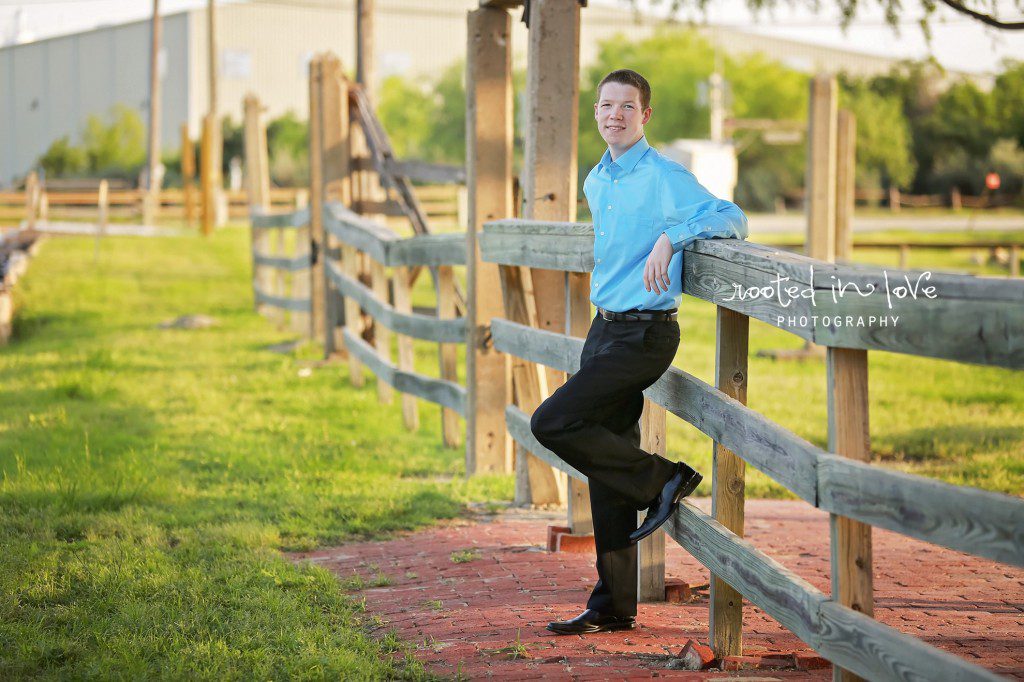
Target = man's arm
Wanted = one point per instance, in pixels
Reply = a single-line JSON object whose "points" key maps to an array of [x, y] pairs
{"points": [[691, 212]]}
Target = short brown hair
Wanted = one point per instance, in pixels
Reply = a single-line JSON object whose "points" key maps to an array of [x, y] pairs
{"points": [[629, 77]]}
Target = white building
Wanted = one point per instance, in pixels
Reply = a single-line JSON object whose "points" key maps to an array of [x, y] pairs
{"points": [[50, 87]]}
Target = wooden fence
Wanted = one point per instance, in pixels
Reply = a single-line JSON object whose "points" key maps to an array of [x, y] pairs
{"points": [[515, 352], [969, 319]]}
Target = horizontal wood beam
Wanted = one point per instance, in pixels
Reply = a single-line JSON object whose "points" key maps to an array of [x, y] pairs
{"points": [[384, 246], [439, 391], [282, 263], [300, 305], [299, 218], [410, 324]]}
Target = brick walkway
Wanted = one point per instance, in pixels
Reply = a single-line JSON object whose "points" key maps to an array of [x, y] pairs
{"points": [[484, 616]]}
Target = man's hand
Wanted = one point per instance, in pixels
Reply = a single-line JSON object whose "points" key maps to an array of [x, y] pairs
{"points": [[656, 269]]}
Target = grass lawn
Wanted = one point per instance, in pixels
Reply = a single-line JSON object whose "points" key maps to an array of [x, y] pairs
{"points": [[151, 476]]}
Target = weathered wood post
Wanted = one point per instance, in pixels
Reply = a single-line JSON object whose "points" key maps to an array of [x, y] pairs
{"points": [[447, 352], [849, 435], [821, 169], [489, 190], [846, 171], [208, 174], [382, 335], [728, 479], [317, 271], [406, 355], [31, 199], [103, 210], [257, 185], [549, 183], [1014, 260], [188, 174]]}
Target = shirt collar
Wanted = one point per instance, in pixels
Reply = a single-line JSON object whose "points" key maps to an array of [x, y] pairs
{"points": [[627, 162]]}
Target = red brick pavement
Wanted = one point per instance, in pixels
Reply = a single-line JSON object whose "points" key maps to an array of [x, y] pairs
{"points": [[485, 617]]}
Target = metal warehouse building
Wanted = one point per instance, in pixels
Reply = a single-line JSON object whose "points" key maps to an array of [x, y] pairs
{"points": [[51, 86]]}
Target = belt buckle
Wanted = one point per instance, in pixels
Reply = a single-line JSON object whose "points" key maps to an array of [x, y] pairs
{"points": [[607, 315]]}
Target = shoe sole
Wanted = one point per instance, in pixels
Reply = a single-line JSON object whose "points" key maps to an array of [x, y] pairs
{"points": [[683, 491], [597, 628]]}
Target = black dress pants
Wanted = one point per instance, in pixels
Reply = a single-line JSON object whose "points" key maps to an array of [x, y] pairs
{"points": [[592, 422]]}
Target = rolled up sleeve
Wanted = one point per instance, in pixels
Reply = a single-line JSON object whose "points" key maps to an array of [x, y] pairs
{"points": [[691, 212]]}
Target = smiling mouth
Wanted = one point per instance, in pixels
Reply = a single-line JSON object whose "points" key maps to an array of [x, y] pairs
{"points": [[615, 127]]}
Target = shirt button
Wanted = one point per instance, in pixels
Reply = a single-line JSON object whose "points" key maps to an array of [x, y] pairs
{"points": [[615, 181], [596, 284], [598, 260], [609, 207], [602, 234]]}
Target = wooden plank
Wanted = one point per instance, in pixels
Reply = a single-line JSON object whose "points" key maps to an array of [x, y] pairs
{"points": [[406, 353], [282, 302], [846, 170], [651, 550], [977, 522], [335, 153], [428, 249], [208, 177], [878, 652], [438, 391], [367, 235], [781, 593], [289, 263], [188, 174], [549, 153], [849, 436], [318, 283], [557, 246], [382, 335], [728, 479], [448, 352], [280, 220], [821, 168], [423, 171], [417, 325], [536, 482], [353, 320]]}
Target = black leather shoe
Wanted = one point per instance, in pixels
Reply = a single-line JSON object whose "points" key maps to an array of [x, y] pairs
{"points": [[682, 483], [592, 621]]}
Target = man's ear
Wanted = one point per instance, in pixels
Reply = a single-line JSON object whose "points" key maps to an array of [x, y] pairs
{"points": [[595, 110], [647, 114]]}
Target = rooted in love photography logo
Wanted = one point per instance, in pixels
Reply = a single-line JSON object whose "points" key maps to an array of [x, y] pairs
{"points": [[778, 288]]}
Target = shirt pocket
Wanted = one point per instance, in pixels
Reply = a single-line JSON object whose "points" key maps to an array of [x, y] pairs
{"points": [[639, 232]]}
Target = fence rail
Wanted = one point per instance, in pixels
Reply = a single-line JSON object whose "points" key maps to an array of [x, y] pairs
{"points": [[965, 519]]}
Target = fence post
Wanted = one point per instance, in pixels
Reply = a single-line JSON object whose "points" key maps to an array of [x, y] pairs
{"points": [[102, 209], [188, 173], [257, 186], [581, 520], [821, 169], [1014, 260], [448, 352], [208, 174], [31, 194], [301, 321], [894, 199], [489, 196], [849, 436], [406, 354], [317, 277], [651, 550], [335, 161], [846, 171], [549, 165], [382, 335], [728, 478]]}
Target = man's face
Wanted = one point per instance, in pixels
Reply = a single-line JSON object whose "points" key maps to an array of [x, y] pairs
{"points": [[619, 116]]}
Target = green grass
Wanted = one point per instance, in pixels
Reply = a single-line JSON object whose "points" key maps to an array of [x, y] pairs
{"points": [[149, 478]]}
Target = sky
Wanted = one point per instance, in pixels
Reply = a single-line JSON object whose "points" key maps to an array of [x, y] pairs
{"points": [[958, 42]]}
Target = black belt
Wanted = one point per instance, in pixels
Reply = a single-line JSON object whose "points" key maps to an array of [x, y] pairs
{"points": [[636, 315]]}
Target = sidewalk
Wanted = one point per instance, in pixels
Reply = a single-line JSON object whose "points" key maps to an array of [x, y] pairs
{"points": [[474, 596]]}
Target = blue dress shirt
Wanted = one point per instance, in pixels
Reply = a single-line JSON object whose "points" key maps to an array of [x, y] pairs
{"points": [[635, 199]]}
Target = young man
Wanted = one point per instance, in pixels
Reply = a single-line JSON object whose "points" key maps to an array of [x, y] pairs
{"points": [[646, 209]]}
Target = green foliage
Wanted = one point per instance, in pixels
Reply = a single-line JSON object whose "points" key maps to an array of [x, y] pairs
{"points": [[288, 148], [63, 159], [884, 148], [117, 148], [1008, 95], [405, 108]]}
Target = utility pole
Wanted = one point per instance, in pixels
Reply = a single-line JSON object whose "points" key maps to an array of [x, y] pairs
{"points": [[155, 168], [211, 42], [215, 145], [716, 100], [366, 65]]}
